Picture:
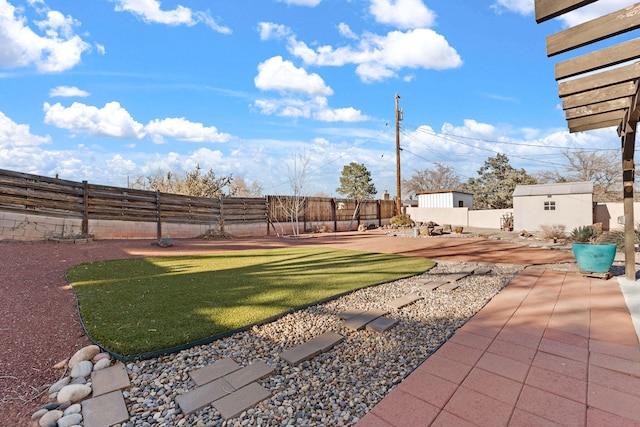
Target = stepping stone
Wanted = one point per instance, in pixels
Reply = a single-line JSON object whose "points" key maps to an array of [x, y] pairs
{"points": [[203, 396], [482, 271], [382, 324], [105, 410], [248, 374], [109, 379], [434, 284], [468, 269], [214, 371], [358, 322], [424, 280], [449, 286], [346, 315], [404, 301], [239, 401], [453, 277], [311, 348]]}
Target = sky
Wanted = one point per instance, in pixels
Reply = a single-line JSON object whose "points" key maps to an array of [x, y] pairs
{"points": [[110, 90]]}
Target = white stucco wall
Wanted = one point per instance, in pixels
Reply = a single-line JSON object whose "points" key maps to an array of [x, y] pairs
{"points": [[571, 210]]}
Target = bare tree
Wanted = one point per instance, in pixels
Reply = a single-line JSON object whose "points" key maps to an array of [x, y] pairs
{"points": [[194, 183], [240, 188], [602, 169], [442, 177], [293, 206]]}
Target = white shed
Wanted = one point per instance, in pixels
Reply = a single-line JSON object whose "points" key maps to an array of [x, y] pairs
{"points": [[445, 199], [566, 203]]}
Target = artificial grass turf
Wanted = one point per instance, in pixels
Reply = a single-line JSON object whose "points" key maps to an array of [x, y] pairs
{"points": [[142, 305]]}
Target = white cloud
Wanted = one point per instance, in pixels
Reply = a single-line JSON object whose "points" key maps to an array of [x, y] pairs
{"points": [[112, 120], [68, 91], [346, 31], [522, 7], [348, 114], [316, 108], [284, 76], [402, 13], [184, 130], [58, 49], [271, 31], [585, 13], [380, 57], [13, 135], [595, 10], [149, 11], [310, 3]]}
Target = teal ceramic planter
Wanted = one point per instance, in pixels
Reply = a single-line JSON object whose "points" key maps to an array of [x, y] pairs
{"points": [[594, 258]]}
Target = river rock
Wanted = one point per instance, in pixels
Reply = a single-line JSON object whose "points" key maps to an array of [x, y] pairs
{"points": [[85, 353], [39, 413], [82, 369], [70, 420], [50, 418], [73, 393], [101, 364], [59, 384], [76, 408], [103, 355], [61, 364]]}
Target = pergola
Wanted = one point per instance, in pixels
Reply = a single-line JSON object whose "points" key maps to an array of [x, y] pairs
{"points": [[601, 89]]}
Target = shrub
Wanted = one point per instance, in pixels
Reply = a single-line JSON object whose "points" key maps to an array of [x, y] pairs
{"points": [[401, 220], [617, 237], [552, 232], [584, 234]]}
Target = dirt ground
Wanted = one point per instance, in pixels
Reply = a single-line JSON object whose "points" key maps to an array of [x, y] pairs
{"points": [[40, 324]]}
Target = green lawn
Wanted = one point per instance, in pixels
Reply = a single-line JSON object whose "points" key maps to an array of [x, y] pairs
{"points": [[136, 306]]}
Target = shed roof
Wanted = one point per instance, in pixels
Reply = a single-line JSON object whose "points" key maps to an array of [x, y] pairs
{"points": [[585, 187], [443, 191]]}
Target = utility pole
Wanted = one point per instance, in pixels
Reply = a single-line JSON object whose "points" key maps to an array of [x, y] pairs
{"points": [[398, 185]]}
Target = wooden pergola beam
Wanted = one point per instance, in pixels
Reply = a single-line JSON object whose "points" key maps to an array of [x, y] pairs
{"points": [[601, 28], [597, 121], [611, 77], [598, 108], [603, 58], [594, 126], [549, 9], [603, 94]]}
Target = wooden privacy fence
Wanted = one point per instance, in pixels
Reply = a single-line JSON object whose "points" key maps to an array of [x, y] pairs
{"points": [[316, 210], [38, 195]]}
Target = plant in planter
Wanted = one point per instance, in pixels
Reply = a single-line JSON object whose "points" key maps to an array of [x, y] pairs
{"points": [[590, 254]]}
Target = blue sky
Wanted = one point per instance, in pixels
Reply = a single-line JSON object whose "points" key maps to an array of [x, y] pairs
{"points": [[108, 90]]}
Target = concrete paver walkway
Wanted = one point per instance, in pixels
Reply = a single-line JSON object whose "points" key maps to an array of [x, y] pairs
{"points": [[550, 349]]}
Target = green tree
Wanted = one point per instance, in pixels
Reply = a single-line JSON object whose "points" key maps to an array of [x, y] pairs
{"points": [[493, 189], [441, 177], [355, 182]]}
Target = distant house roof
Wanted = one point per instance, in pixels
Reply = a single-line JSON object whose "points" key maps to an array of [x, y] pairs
{"points": [[443, 191], [585, 187]]}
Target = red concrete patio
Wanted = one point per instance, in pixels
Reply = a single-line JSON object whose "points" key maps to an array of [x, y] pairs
{"points": [[550, 349]]}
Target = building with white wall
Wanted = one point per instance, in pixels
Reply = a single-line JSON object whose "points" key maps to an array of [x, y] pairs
{"points": [[566, 203], [445, 199]]}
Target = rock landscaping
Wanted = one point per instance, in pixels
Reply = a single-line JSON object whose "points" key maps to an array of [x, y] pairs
{"points": [[353, 369]]}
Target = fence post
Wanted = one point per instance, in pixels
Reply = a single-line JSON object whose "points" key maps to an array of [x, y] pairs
{"points": [[158, 215], [335, 216], [85, 208], [379, 213], [221, 198]]}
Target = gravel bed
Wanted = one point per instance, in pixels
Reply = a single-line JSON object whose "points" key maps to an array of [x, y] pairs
{"points": [[335, 388]]}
